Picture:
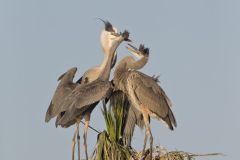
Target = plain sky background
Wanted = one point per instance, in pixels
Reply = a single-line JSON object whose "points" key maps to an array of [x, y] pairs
{"points": [[194, 47]]}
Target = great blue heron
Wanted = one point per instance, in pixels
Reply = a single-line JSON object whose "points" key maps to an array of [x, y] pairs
{"points": [[65, 86], [73, 103], [143, 91], [110, 40]]}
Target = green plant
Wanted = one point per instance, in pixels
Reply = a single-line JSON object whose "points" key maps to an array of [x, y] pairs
{"points": [[109, 143]]}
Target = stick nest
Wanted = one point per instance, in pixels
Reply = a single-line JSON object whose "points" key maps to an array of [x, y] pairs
{"points": [[160, 153]]}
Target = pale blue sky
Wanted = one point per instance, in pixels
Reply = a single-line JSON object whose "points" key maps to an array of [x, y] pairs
{"points": [[194, 46]]}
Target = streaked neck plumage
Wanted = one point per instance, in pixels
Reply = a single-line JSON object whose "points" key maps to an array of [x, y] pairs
{"points": [[129, 63], [109, 45]]}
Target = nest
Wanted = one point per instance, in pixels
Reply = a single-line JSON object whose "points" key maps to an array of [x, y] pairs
{"points": [[160, 153]]}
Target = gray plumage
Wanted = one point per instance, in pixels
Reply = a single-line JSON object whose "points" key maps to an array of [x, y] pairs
{"points": [[87, 94], [94, 84], [66, 107], [71, 114], [64, 87], [79, 97], [134, 117], [151, 95], [82, 97], [143, 92]]}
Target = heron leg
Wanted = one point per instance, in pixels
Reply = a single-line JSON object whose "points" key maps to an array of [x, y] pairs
{"points": [[145, 142], [87, 120], [147, 130], [151, 140], [78, 140], [73, 144]]}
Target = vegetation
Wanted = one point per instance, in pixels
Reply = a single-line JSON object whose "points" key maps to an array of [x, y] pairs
{"points": [[109, 143], [110, 146]]}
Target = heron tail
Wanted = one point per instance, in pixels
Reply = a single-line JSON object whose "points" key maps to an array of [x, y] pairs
{"points": [[170, 120]]}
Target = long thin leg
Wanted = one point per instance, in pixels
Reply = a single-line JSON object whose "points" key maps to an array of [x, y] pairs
{"points": [[73, 144], [145, 142], [78, 140], [151, 140], [87, 120], [147, 127]]}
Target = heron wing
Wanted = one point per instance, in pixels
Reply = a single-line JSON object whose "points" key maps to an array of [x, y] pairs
{"points": [[61, 92], [152, 96], [153, 83], [63, 89], [87, 94], [69, 74], [58, 97], [134, 117], [69, 117]]}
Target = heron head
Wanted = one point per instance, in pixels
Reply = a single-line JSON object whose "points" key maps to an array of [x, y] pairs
{"points": [[140, 52], [110, 38], [125, 36]]}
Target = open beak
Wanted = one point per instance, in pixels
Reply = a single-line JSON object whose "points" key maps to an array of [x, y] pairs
{"points": [[133, 50]]}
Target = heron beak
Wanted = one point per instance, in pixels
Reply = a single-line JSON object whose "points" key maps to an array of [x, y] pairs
{"points": [[128, 40], [108, 25], [133, 50], [101, 20]]}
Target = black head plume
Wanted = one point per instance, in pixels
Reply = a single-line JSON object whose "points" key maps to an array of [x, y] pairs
{"points": [[143, 50], [108, 25], [125, 35]]}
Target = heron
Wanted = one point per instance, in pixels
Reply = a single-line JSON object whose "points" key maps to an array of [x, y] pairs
{"points": [[143, 92], [110, 40], [65, 86], [72, 104], [106, 40]]}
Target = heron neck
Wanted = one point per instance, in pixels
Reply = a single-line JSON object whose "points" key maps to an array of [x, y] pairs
{"points": [[129, 63], [105, 67], [109, 55], [138, 64], [104, 63], [122, 67]]}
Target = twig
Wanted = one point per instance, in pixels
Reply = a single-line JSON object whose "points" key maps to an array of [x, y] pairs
{"points": [[91, 128]]}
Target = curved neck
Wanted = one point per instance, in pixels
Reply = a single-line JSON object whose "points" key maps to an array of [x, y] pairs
{"points": [[109, 45], [129, 63], [105, 67], [103, 64], [138, 64]]}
